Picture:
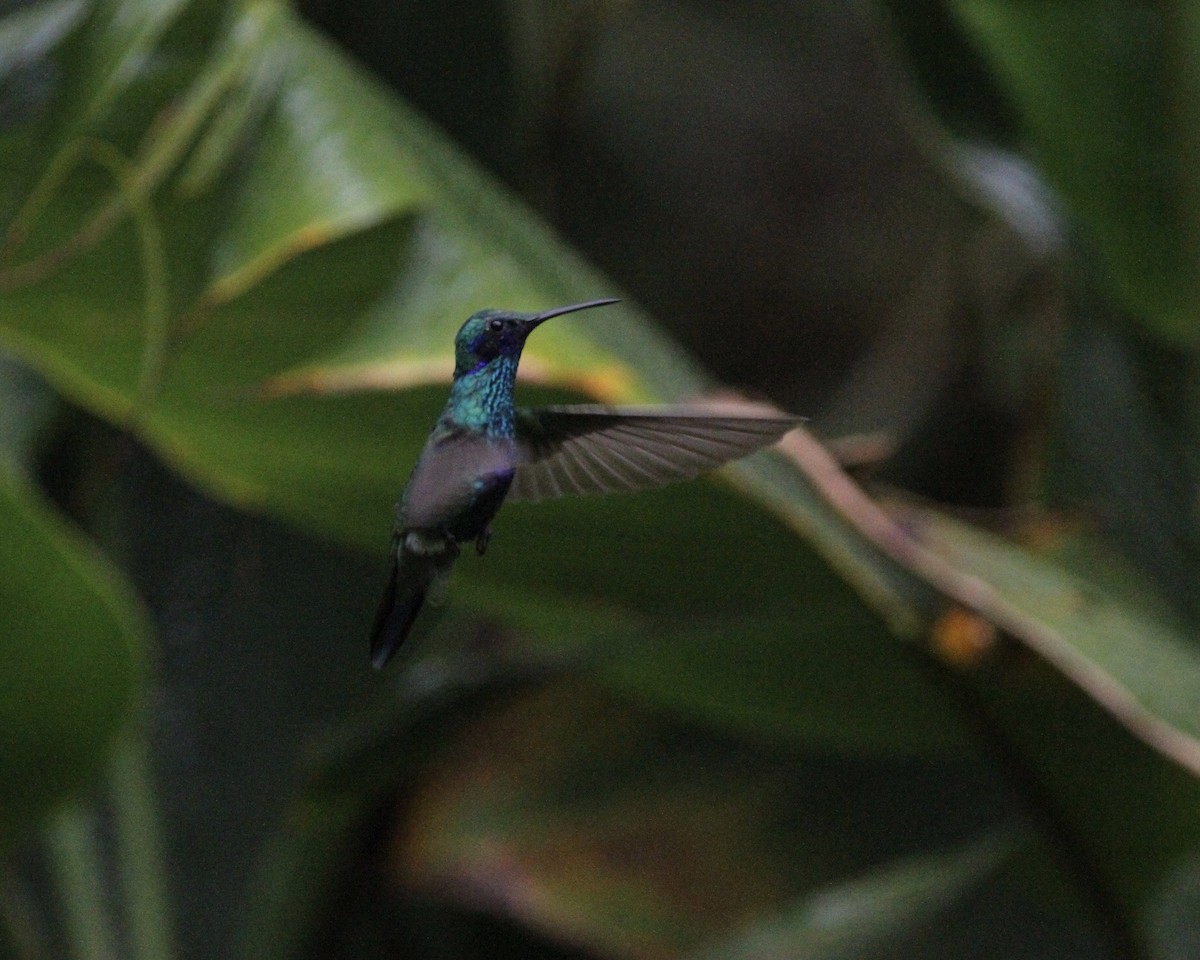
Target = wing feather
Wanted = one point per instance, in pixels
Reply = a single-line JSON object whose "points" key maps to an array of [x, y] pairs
{"points": [[576, 472], [594, 449]]}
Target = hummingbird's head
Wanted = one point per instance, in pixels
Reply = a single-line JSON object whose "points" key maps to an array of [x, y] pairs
{"points": [[493, 334]]}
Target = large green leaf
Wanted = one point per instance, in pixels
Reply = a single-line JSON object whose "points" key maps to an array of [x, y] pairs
{"points": [[69, 633], [1135, 661], [1108, 91], [1096, 787], [829, 678]]}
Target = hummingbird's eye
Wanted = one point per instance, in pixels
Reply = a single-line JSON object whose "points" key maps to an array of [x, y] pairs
{"points": [[496, 325]]}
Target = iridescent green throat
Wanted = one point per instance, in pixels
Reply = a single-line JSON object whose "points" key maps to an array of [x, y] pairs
{"points": [[482, 399]]}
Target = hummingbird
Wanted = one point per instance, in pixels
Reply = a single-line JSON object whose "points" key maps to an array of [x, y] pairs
{"points": [[484, 450]]}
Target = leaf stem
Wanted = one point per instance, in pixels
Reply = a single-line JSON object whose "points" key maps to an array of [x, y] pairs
{"points": [[139, 851], [79, 878]]}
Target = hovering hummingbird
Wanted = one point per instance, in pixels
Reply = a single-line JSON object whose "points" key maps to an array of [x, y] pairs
{"points": [[484, 449]]}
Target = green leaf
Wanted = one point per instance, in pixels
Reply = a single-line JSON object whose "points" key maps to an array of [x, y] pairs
{"points": [[1142, 667], [832, 678], [119, 35], [69, 635], [1108, 92], [325, 160], [1095, 786]]}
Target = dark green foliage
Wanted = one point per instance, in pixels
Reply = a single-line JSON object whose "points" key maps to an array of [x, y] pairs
{"points": [[783, 713]]}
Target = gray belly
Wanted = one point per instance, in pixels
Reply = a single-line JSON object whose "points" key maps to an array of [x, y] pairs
{"points": [[458, 485]]}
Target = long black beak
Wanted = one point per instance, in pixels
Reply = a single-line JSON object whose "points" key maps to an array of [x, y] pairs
{"points": [[559, 311]]}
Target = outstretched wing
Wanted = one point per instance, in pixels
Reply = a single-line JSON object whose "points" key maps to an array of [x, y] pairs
{"points": [[594, 449]]}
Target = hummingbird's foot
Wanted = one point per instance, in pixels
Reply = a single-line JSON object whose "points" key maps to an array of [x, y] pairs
{"points": [[482, 541]]}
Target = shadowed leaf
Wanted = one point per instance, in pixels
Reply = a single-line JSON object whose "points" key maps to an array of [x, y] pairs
{"points": [[69, 633]]}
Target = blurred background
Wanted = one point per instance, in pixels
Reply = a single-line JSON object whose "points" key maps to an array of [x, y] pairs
{"points": [[923, 684]]}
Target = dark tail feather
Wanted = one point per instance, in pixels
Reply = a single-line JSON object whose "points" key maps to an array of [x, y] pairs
{"points": [[401, 603]]}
